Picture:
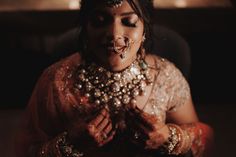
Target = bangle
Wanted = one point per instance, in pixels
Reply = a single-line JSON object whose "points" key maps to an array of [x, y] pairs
{"points": [[59, 147], [66, 149], [178, 142], [49, 148], [173, 143], [187, 142]]}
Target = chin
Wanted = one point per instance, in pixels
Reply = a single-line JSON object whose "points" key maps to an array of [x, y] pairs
{"points": [[116, 68], [116, 65]]}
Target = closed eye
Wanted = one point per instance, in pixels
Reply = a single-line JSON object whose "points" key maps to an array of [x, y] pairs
{"points": [[130, 20], [129, 23]]}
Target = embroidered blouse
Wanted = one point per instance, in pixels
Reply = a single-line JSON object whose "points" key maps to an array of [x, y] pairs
{"points": [[55, 100]]}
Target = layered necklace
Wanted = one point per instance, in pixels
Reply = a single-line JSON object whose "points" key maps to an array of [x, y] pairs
{"points": [[113, 90]]}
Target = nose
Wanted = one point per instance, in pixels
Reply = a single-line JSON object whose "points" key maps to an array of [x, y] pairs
{"points": [[114, 30]]}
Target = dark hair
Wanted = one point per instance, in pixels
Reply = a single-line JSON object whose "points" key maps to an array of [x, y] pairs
{"points": [[143, 8]]}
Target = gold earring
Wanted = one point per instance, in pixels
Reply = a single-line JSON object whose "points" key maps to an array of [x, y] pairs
{"points": [[143, 38]]}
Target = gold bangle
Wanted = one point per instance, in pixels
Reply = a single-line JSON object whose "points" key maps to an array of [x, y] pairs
{"points": [[173, 140], [59, 147], [50, 148], [184, 141], [66, 149], [187, 142]]}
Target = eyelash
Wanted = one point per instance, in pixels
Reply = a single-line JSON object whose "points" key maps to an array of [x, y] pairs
{"points": [[128, 23]]}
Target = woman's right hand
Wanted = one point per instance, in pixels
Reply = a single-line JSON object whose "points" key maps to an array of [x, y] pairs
{"points": [[95, 132]]}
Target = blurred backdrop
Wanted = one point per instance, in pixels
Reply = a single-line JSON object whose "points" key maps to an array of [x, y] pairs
{"points": [[29, 31]]}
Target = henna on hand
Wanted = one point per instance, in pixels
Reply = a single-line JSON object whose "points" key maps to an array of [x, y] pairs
{"points": [[101, 129], [95, 132], [147, 130]]}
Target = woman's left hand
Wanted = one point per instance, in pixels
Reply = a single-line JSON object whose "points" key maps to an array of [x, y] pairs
{"points": [[146, 130]]}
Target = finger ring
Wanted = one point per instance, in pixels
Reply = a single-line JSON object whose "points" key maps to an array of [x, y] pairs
{"points": [[136, 135], [104, 136]]}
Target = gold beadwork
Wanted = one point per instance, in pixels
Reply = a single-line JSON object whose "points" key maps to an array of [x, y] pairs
{"points": [[113, 90]]}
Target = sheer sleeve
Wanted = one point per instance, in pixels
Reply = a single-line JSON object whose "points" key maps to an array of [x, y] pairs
{"points": [[40, 122], [195, 136], [177, 86]]}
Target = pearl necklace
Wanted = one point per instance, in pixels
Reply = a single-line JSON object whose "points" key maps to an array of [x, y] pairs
{"points": [[113, 90]]}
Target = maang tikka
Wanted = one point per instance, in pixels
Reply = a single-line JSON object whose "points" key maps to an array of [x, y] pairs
{"points": [[114, 3]]}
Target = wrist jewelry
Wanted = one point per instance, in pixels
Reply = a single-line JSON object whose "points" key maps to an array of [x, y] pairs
{"points": [[171, 146], [59, 147], [66, 149]]}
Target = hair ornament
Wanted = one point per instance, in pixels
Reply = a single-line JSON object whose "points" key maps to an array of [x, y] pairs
{"points": [[114, 3]]}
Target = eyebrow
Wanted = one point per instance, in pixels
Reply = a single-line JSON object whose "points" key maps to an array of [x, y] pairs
{"points": [[128, 13]]}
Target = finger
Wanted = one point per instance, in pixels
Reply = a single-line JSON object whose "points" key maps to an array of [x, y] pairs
{"points": [[101, 115], [91, 129], [146, 119], [108, 138], [108, 128], [102, 124]]}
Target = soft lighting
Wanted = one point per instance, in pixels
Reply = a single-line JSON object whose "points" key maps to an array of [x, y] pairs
{"points": [[74, 4], [180, 3], [191, 3]]}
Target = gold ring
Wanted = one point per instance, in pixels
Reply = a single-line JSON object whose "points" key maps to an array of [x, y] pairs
{"points": [[136, 135], [104, 135]]}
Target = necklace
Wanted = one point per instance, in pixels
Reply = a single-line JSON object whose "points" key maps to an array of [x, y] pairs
{"points": [[113, 90]]}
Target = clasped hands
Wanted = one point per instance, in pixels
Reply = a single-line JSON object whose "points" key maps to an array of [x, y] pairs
{"points": [[144, 129]]}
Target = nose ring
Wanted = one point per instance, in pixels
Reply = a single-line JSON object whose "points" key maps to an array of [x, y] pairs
{"points": [[122, 45]]}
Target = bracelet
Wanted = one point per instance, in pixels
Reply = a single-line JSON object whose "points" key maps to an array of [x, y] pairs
{"points": [[59, 147], [49, 149], [67, 149], [174, 141], [187, 142], [178, 142]]}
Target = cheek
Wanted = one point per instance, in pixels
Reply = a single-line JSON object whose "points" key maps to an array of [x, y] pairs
{"points": [[137, 37]]}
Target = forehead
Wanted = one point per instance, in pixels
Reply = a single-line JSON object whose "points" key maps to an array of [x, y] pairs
{"points": [[124, 8]]}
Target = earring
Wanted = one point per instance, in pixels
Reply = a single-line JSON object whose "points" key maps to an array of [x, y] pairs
{"points": [[143, 38], [142, 50]]}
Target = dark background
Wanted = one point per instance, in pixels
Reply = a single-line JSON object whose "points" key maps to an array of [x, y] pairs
{"points": [[26, 46]]}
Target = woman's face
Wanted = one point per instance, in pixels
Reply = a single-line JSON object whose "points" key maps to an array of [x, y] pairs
{"points": [[109, 24]]}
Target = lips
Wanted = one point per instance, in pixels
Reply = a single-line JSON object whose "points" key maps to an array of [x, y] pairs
{"points": [[117, 49], [120, 45], [121, 49]]}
